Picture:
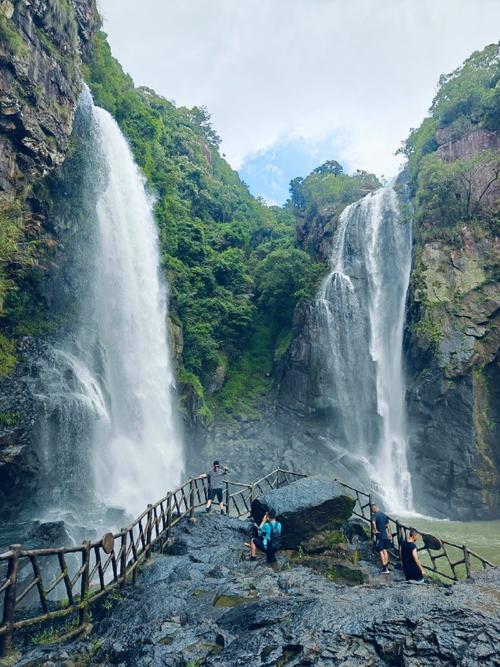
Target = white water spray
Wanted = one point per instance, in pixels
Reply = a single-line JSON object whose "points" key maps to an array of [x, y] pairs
{"points": [[362, 307], [137, 452]]}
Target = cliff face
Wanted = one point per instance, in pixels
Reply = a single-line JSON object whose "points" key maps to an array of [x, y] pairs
{"points": [[42, 44], [453, 345], [40, 51], [453, 334]]}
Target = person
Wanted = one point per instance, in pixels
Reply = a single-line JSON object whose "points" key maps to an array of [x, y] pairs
{"points": [[215, 485], [412, 568], [268, 539], [382, 531]]}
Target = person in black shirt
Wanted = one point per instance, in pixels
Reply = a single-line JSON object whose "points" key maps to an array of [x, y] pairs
{"points": [[382, 531], [414, 572]]}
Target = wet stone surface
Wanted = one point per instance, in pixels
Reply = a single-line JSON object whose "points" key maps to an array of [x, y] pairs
{"points": [[204, 605]]}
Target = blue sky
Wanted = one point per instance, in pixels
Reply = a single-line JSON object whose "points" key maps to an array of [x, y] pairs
{"points": [[291, 83], [269, 172]]}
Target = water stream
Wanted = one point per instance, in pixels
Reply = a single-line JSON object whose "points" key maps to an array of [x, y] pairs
{"points": [[361, 310], [104, 398]]}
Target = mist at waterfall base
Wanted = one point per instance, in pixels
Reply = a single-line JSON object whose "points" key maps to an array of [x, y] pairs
{"points": [[360, 313], [106, 428]]}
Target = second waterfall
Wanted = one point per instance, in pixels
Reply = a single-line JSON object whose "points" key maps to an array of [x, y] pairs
{"points": [[360, 310]]}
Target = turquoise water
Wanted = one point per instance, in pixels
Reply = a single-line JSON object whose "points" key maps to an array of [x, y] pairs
{"points": [[483, 537]]}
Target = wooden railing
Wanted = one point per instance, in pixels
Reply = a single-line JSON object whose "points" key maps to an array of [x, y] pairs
{"points": [[83, 574], [46, 584], [239, 496], [450, 561]]}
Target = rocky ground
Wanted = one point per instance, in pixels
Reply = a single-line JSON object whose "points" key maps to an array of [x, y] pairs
{"points": [[202, 604]]}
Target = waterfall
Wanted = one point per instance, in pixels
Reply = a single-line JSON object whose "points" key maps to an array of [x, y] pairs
{"points": [[138, 453], [360, 310], [106, 416]]}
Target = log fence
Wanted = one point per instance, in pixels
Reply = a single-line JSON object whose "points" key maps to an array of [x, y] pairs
{"points": [[38, 585], [444, 559], [33, 582]]}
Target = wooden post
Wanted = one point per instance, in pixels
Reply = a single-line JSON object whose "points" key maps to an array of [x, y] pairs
{"points": [[9, 602], [169, 518], [371, 517], [149, 530], [84, 589], [191, 501], [227, 496], [123, 557], [468, 566], [398, 540]]}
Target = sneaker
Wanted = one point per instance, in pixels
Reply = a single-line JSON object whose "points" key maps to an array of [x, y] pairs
{"points": [[207, 510], [222, 512], [252, 558], [385, 570]]}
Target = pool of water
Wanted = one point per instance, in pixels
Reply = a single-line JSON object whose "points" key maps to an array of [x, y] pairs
{"points": [[483, 537]]}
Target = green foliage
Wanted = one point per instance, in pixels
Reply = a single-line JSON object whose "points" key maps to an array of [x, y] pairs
{"points": [[327, 185], [215, 239], [9, 419], [429, 329], [249, 377], [60, 18], [447, 192], [7, 356], [284, 277], [282, 343], [10, 38], [471, 92], [467, 99], [12, 253]]}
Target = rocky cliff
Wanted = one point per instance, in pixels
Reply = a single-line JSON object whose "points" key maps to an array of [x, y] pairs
{"points": [[40, 55], [453, 347], [453, 335], [42, 44]]}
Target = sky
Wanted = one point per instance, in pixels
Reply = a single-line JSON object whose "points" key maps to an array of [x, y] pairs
{"points": [[292, 83]]}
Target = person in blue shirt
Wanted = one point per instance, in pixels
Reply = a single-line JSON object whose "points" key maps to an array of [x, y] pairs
{"points": [[268, 537], [383, 536]]}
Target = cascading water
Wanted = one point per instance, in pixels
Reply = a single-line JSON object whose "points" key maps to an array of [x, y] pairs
{"points": [[106, 420], [361, 309], [137, 453]]}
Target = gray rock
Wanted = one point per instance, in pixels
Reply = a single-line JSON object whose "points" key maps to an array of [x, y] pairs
{"points": [[305, 507], [290, 617]]}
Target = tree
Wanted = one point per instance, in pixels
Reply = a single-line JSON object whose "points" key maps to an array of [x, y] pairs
{"points": [[329, 167], [296, 195], [282, 278]]}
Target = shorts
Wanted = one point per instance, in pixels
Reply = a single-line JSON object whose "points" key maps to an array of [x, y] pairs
{"points": [[268, 550], [382, 543], [212, 493]]}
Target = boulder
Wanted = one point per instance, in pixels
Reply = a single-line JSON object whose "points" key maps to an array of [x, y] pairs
{"points": [[305, 508]]}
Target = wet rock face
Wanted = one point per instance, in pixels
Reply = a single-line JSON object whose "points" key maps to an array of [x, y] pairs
{"points": [[452, 346], [203, 605], [41, 49], [40, 57]]}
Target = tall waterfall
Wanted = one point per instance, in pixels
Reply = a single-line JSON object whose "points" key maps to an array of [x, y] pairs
{"points": [[137, 452], [361, 309], [106, 415]]}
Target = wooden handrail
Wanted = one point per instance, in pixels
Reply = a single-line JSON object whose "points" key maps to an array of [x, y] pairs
{"points": [[135, 542]]}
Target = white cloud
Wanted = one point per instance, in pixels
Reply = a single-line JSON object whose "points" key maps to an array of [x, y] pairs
{"points": [[273, 70]]}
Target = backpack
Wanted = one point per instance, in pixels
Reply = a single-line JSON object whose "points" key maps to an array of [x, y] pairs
{"points": [[275, 539]]}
